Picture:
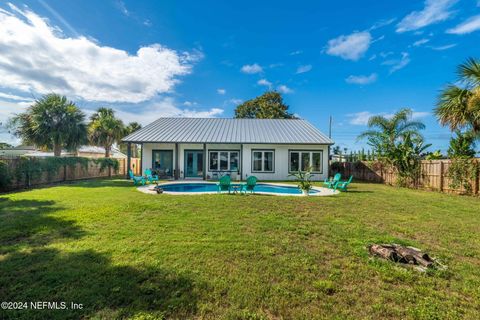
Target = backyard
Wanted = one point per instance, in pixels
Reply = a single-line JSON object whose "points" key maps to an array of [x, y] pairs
{"points": [[124, 254]]}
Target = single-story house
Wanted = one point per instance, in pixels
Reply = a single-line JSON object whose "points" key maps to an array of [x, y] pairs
{"points": [[207, 148]]}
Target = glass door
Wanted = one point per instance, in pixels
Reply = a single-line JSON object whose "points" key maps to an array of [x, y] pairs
{"points": [[193, 164], [162, 162]]}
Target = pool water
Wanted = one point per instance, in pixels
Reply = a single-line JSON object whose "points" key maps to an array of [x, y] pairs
{"points": [[210, 187]]}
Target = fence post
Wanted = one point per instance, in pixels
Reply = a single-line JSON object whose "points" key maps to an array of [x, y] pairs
{"points": [[477, 178], [441, 176]]}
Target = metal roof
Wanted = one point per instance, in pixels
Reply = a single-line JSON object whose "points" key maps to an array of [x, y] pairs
{"points": [[218, 130]]}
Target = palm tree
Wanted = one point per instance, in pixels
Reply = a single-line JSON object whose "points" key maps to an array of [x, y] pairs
{"points": [[458, 105], [384, 132], [52, 122], [104, 129]]}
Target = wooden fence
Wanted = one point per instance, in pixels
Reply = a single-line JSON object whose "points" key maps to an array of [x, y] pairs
{"points": [[74, 172], [433, 175]]}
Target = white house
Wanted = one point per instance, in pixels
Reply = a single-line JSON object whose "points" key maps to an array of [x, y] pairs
{"points": [[200, 148]]}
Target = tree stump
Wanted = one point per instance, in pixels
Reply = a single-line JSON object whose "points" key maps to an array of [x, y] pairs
{"points": [[402, 254]]}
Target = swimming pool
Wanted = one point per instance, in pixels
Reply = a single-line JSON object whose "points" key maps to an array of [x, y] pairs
{"points": [[194, 187]]}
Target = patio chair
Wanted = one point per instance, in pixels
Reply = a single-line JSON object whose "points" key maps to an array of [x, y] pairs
{"points": [[224, 184], [136, 179], [150, 176], [342, 185], [250, 184], [333, 182]]}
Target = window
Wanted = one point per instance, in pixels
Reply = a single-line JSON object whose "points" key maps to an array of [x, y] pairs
{"points": [[263, 160], [223, 160], [302, 160]]}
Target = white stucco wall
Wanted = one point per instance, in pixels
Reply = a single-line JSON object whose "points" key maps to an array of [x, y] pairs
{"points": [[280, 158]]}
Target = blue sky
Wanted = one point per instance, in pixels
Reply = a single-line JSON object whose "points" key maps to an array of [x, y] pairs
{"points": [[146, 59]]}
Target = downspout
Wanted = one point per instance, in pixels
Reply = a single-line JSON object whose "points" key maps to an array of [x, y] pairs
{"points": [[129, 156]]}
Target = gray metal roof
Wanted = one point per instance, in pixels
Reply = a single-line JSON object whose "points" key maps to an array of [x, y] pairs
{"points": [[217, 130]]}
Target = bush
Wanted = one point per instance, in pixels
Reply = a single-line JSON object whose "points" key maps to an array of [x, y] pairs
{"points": [[5, 176], [461, 173]]}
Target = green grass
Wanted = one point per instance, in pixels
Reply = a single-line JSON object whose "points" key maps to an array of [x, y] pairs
{"points": [[124, 254]]}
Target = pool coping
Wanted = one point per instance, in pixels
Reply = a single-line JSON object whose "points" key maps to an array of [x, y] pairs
{"points": [[323, 192]]}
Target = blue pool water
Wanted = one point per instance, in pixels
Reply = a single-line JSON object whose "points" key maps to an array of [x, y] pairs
{"points": [[210, 187]]}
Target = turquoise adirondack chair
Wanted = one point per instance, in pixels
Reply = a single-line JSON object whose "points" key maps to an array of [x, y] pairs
{"points": [[136, 179], [250, 184], [151, 177], [332, 183], [224, 184], [342, 185]]}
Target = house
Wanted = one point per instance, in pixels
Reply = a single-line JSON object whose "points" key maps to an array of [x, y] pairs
{"points": [[207, 148]]}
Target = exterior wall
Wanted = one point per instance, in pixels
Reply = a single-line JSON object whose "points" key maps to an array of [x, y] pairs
{"points": [[281, 161]]}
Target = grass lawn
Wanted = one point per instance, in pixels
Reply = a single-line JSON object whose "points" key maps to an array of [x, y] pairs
{"points": [[124, 254]]}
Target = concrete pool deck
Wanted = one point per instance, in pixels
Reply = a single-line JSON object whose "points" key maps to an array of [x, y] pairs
{"points": [[148, 189]]}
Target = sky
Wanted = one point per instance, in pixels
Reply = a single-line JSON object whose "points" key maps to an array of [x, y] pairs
{"points": [[146, 59]]}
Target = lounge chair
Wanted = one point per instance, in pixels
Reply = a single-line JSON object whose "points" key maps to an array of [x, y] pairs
{"points": [[342, 185], [250, 184], [224, 184], [332, 183], [136, 179], [151, 177]]}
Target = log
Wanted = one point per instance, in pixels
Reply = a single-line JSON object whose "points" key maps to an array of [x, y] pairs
{"points": [[402, 254]]}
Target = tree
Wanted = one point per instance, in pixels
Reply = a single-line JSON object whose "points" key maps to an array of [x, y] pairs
{"points": [[105, 129], [384, 132], [129, 129], [4, 145], [52, 122], [458, 106], [462, 146], [269, 105]]}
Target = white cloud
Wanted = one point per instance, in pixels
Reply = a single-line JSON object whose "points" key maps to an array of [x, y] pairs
{"points": [[284, 89], [297, 52], [7, 110], [420, 42], [163, 108], [382, 23], [221, 91], [252, 68], [189, 103], [350, 47], [37, 57], [445, 47], [397, 64], [303, 69], [434, 11], [234, 101], [362, 79], [264, 82], [13, 97], [361, 118], [468, 26]]}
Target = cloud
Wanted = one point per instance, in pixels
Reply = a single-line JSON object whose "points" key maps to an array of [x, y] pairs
{"points": [[264, 82], [13, 97], [435, 11], [382, 23], [445, 47], [221, 91], [420, 42], [397, 64], [284, 89], [362, 80], [468, 26], [252, 68], [120, 5], [37, 57], [297, 52], [189, 103], [303, 69], [163, 108], [350, 47], [361, 118], [234, 101]]}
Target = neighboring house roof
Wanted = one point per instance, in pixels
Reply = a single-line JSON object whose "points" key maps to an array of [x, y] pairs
{"points": [[216, 130], [115, 152]]}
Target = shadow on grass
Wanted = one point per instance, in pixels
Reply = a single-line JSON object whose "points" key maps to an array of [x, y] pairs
{"points": [[89, 278], [29, 224]]}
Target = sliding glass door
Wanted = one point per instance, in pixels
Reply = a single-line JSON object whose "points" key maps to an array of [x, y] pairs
{"points": [[193, 163], [162, 162]]}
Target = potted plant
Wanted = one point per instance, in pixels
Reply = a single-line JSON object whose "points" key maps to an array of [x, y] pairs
{"points": [[303, 180]]}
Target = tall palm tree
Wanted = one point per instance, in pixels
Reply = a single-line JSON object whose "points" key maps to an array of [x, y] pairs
{"points": [[458, 105], [384, 132], [52, 122], [105, 129]]}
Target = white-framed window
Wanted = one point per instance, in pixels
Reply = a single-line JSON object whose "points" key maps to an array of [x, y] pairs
{"points": [[223, 160], [263, 160], [302, 160]]}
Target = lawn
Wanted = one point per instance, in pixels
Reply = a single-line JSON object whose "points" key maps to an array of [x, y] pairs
{"points": [[124, 254]]}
